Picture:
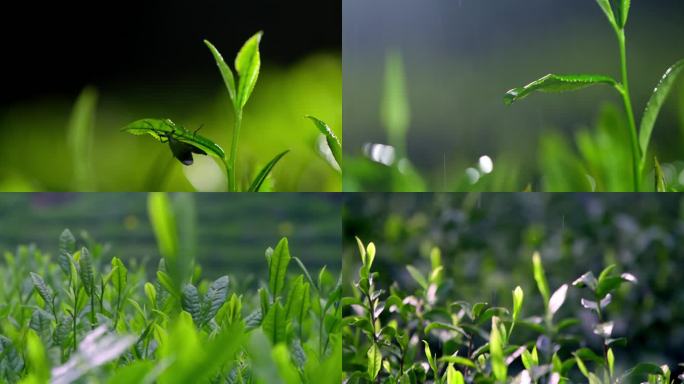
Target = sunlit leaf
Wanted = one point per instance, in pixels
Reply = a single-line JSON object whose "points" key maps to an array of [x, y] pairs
{"points": [[263, 174], [226, 72], [247, 65]]}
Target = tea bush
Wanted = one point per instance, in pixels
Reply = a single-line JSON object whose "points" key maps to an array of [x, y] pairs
{"points": [[396, 335], [82, 316]]}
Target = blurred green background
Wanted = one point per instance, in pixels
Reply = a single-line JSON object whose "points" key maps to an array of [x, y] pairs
{"points": [[461, 56], [35, 154], [487, 241], [233, 230]]}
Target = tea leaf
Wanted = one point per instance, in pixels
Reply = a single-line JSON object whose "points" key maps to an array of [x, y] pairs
{"points": [[160, 129], [247, 64], [457, 360], [37, 358], [417, 276], [191, 303], [331, 139], [263, 174], [119, 275], [43, 290], [624, 12], [215, 297], [164, 226], [80, 138], [540, 277], [275, 323], [558, 298], [226, 72], [608, 11], [374, 361], [86, 271], [395, 105], [454, 376], [517, 301], [496, 350], [278, 267], [557, 83], [654, 104]]}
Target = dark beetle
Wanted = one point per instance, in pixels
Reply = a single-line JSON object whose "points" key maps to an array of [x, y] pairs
{"points": [[180, 150]]}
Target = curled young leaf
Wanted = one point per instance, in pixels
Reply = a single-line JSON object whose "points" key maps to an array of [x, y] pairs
{"points": [[330, 138]]}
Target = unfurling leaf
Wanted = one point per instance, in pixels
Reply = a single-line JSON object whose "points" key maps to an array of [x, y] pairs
{"points": [[330, 138]]}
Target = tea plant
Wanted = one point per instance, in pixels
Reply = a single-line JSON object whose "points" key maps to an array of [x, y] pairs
{"points": [[80, 316], [617, 12], [426, 336], [183, 143], [331, 152]]}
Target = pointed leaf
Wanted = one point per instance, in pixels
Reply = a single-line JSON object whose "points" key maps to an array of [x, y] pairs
{"points": [[261, 177], [517, 301], [86, 271], [247, 64], [331, 139], [374, 361], [540, 277], [558, 298], [43, 290], [660, 185], [624, 12], [160, 128], [496, 351], [557, 83], [275, 323], [417, 276], [215, 297], [225, 70], [278, 267], [191, 303], [608, 11], [655, 103], [454, 376]]}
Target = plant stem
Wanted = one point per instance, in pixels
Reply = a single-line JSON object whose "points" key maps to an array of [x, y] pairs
{"points": [[232, 186], [627, 101]]}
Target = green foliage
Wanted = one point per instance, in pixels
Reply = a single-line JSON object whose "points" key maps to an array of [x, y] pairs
{"points": [[332, 142], [616, 12], [101, 320], [80, 139], [183, 143], [398, 335]]}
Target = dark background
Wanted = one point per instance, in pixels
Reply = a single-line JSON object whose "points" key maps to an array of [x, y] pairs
{"points": [[61, 47], [461, 56]]}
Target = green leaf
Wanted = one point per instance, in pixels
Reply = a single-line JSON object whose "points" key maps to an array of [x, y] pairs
{"points": [[36, 358], [643, 369], [247, 64], [164, 225], [297, 300], [278, 267], [67, 242], [430, 358], [191, 303], [331, 139], [160, 128], [80, 139], [86, 271], [517, 302], [557, 83], [374, 361], [395, 105], [43, 290], [624, 12], [496, 351], [660, 185], [459, 360], [654, 104], [286, 370], [558, 298], [417, 276], [263, 174], [214, 299], [608, 11], [454, 376], [275, 323], [119, 275], [611, 361], [540, 277], [441, 325], [225, 70]]}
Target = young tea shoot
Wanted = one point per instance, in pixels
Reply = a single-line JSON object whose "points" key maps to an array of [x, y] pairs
{"points": [[616, 11]]}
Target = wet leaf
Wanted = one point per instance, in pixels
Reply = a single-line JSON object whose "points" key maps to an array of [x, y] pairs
{"points": [[557, 83]]}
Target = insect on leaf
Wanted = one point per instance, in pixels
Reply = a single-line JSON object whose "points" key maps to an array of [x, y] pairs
{"points": [[226, 72], [165, 130], [247, 64], [655, 103], [261, 177], [557, 83]]}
